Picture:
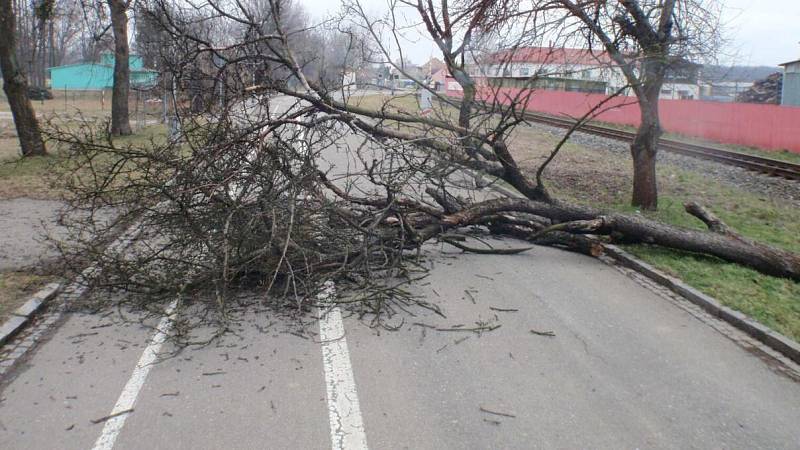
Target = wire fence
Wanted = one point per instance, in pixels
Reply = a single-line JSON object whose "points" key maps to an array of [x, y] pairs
{"points": [[145, 107]]}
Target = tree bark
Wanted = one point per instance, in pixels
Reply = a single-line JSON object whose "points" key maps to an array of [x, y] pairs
{"points": [[120, 121], [644, 147], [720, 241], [15, 86]]}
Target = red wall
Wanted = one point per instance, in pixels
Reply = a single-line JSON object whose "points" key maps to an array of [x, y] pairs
{"points": [[770, 127]]}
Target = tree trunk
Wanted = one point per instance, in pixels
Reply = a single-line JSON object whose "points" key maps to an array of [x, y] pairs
{"points": [[465, 109], [720, 241], [644, 149], [15, 85], [120, 121]]}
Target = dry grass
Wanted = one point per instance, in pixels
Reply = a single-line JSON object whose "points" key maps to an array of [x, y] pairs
{"points": [[87, 103], [16, 288], [27, 177], [22, 177]]}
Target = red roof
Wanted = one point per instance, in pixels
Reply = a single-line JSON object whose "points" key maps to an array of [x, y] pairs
{"points": [[542, 55]]}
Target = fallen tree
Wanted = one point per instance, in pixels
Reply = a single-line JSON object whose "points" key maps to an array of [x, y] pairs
{"points": [[283, 194]]}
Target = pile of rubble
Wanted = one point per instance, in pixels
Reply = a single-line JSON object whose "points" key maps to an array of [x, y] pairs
{"points": [[767, 90]]}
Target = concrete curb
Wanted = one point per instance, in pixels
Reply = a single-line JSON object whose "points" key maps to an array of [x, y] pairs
{"points": [[27, 311], [772, 339]]}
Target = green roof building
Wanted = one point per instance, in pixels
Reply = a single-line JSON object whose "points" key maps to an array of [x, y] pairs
{"points": [[93, 76]]}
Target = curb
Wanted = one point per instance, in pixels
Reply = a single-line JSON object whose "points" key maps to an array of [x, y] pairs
{"points": [[27, 311], [772, 339], [768, 337]]}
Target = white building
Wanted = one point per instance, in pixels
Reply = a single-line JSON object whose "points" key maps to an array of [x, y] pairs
{"points": [[572, 69]]}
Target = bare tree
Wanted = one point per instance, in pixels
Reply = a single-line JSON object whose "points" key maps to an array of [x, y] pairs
{"points": [[288, 182], [646, 39], [15, 85], [120, 121]]}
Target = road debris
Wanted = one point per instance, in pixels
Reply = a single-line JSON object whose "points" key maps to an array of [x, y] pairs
{"points": [[111, 416], [494, 308], [477, 329], [497, 413], [543, 333]]}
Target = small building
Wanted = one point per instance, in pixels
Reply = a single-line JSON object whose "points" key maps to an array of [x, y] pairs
{"points": [[438, 78], [791, 83], [565, 69], [681, 82], [576, 69], [95, 76]]}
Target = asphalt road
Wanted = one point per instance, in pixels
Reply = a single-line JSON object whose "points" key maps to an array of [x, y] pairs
{"points": [[624, 368]]}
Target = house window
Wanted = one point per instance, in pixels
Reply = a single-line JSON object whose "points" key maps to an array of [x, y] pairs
{"points": [[524, 72], [586, 74]]}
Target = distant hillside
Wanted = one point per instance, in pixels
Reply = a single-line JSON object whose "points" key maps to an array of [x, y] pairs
{"points": [[737, 73]]}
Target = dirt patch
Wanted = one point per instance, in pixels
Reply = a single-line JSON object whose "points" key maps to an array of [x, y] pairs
{"points": [[576, 169]]}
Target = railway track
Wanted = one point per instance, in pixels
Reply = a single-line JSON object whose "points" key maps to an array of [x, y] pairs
{"points": [[774, 167]]}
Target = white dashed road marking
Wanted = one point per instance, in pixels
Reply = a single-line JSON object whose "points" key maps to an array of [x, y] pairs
{"points": [[129, 394], [344, 413]]}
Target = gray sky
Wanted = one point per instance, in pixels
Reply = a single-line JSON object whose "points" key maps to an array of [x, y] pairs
{"points": [[764, 32], [761, 32]]}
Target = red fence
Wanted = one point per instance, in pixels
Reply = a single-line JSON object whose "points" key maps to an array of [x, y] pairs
{"points": [[769, 127]]}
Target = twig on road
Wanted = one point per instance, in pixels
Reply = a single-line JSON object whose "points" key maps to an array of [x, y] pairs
{"points": [[111, 416], [478, 329], [543, 333], [470, 296], [497, 413]]}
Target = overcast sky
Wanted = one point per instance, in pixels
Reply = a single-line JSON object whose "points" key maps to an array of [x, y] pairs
{"points": [[762, 32]]}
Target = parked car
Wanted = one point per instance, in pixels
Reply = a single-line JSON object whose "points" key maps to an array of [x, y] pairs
{"points": [[39, 93]]}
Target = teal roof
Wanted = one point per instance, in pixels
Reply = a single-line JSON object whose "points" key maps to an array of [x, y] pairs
{"points": [[96, 76], [142, 70]]}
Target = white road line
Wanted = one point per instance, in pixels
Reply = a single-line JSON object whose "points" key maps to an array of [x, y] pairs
{"points": [[344, 413], [127, 399]]}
